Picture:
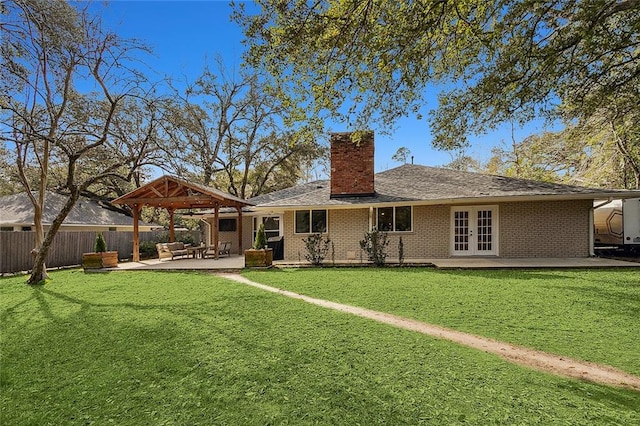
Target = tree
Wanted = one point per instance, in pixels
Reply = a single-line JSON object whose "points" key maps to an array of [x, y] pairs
{"points": [[540, 157], [135, 135], [610, 140], [200, 118], [8, 185], [228, 130], [370, 61], [401, 155], [261, 238], [460, 160], [257, 163], [590, 154], [63, 81]]}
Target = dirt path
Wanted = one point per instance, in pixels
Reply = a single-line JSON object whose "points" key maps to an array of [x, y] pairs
{"points": [[559, 365]]}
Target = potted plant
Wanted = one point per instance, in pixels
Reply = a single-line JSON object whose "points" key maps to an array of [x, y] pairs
{"points": [[100, 258], [260, 255]]}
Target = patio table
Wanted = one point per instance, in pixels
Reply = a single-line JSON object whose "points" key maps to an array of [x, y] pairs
{"points": [[196, 251]]}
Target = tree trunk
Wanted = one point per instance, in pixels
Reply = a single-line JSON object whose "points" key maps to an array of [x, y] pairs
{"points": [[39, 272]]}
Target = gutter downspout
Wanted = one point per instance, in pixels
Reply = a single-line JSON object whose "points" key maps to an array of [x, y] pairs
{"points": [[371, 219], [592, 243], [208, 236]]}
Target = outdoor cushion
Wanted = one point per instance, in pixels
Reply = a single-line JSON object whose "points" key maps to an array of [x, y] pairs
{"points": [[172, 250]]}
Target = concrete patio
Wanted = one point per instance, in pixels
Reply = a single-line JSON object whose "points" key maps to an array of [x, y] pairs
{"points": [[229, 263], [532, 263], [236, 263]]}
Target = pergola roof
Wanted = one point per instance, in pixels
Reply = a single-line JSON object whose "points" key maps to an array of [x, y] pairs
{"points": [[174, 193]]}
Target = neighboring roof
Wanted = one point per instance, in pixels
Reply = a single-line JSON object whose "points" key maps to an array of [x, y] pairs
{"points": [[17, 210], [414, 184], [176, 193]]}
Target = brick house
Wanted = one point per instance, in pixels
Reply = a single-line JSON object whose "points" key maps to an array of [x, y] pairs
{"points": [[439, 213]]}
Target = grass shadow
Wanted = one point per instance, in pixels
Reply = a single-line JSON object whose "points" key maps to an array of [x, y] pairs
{"points": [[511, 274]]}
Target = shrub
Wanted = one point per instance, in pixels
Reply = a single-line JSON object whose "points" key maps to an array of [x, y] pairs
{"points": [[261, 238], [317, 248], [148, 249], [400, 252], [186, 238], [375, 244], [101, 245]]}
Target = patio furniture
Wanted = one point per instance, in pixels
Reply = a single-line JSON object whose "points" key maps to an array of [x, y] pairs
{"points": [[196, 251], [172, 250], [223, 249]]}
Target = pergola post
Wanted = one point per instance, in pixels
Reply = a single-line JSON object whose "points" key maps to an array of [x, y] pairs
{"points": [[172, 231], [239, 208], [216, 231], [136, 233]]}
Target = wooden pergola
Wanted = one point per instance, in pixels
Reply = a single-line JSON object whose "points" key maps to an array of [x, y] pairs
{"points": [[172, 193]]}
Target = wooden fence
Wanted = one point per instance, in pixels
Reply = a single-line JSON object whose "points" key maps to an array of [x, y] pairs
{"points": [[67, 247]]}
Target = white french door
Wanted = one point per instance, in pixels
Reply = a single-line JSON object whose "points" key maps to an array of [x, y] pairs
{"points": [[474, 231]]}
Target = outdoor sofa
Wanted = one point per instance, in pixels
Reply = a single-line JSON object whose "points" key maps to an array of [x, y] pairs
{"points": [[171, 250]]}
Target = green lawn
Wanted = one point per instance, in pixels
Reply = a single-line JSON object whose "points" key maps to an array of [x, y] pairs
{"points": [[592, 315], [187, 348]]}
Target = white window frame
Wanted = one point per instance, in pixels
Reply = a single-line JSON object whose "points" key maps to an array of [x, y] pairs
{"points": [[257, 220], [375, 217], [295, 228]]}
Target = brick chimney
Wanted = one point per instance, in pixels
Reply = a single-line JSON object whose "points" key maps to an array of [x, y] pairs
{"points": [[352, 165]]}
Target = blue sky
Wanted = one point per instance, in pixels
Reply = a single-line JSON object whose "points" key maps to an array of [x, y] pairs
{"points": [[183, 34]]}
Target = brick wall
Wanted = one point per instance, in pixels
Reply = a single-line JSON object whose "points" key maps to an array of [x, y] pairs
{"points": [[526, 229], [346, 229], [352, 167], [545, 229], [429, 239], [430, 236]]}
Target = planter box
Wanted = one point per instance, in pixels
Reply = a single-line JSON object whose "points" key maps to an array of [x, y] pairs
{"points": [[258, 258], [107, 259]]}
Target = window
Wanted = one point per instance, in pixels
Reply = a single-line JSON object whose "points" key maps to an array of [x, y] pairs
{"points": [[394, 219], [26, 228], [6, 229], [311, 221], [227, 225], [271, 226], [113, 228]]}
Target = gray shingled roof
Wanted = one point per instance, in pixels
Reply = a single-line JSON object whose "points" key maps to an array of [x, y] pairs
{"points": [[17, 209], [274, 196], [414, 184]]}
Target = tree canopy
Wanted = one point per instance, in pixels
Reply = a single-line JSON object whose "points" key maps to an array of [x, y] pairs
{"points": [[370, 61], [226, 129], [64, 83]]}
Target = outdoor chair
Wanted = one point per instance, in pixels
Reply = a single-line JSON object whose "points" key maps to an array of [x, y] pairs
{"points": [[223, 249]]}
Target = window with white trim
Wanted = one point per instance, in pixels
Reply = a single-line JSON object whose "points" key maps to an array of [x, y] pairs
{"points": [[272, 226], [394, 219], [311, 221]]}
